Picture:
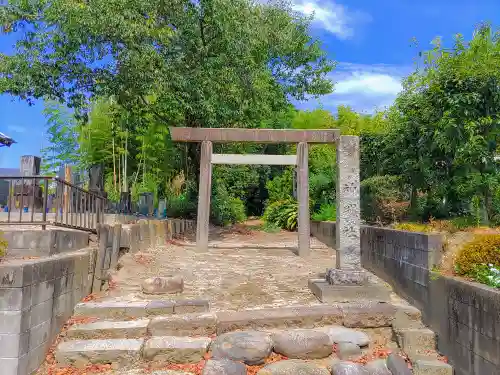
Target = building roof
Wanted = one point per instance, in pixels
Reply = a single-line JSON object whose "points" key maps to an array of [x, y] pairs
{"points": [[5, 140], [6, 172]]}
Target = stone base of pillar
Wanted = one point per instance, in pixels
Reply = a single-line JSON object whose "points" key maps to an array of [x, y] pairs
{"points": [[347, 285], [328, 293], [336, 276]]}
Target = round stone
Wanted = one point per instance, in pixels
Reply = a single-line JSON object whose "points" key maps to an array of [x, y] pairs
{"points": [[251, 347], [346, 350], [348, 368], [293, 366], [378, 367], [302, 344], [163, 285], [224, 367], [340, 334]]}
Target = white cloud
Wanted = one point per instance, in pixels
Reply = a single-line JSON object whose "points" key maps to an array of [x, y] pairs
{"points": [[369, 84], [331, 16], [16, 128], [365, 88]]}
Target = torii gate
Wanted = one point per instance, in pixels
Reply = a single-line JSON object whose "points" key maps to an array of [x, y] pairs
{"points": [[348, 191]]}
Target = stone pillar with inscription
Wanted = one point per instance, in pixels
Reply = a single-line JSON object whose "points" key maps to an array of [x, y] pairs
{"points": [[348, 244], [348, 281], [28, 191], [96, 186]]}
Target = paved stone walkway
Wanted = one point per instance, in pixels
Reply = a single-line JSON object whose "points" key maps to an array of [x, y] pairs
{"points": [[231, 278]]}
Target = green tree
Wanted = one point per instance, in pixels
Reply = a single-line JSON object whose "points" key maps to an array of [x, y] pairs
{"points": [[61, 133], [446, 127], [204, 63]]}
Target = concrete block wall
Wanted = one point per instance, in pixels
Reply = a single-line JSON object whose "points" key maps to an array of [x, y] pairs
{"points": [[404, 259], [36, 298], [44, 242], [464, 315]]}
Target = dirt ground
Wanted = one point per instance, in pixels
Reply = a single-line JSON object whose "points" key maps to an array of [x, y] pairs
{"points": [[231, 278]]}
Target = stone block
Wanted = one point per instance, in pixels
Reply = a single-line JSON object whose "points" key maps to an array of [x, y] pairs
{"points": [[63, 266], [336, 276], [416, 339], [36, 357], [14, 345], [191, 306], [407, 317], [16, 274], [422, 367], [160, 307], [368, 315], [42, 292], [204, 324], [328, 293], [41, 313], [109, 330], [170, 349], [68, 240], [79, 353], [43, 270], [15, 321], [299, 317], [62, 307], [14, 366], [12, 299], [122, 309], [397, 365], [39, 334]]}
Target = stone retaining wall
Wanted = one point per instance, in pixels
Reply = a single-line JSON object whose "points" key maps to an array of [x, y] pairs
{"points": [[464, 315], [44, 242], [36, 298], [134, 237]]}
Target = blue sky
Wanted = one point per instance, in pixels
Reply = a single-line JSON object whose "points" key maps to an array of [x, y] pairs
{"points": [[370, 40]]}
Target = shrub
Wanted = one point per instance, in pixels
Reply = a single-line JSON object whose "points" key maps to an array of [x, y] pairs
{"points": [[413, 227], [487, 274], [483, 250], [3, 245], [225, 208], [282, 214], [327, 212], [383, 199], [180, 206], [280, 188]]}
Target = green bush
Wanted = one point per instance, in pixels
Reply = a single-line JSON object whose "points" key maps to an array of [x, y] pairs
{"points": [[487, 274], [180, 207], [282, 214], [280, 188], [383, 199], [484, 250], [3, 245], [327, 212], [464, 222], [226, 209]]}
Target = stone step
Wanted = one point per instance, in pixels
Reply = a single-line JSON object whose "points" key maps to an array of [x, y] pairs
{"points": [[192, 324], [124, 352], [355, 315], [139, 309], [131, 329], [80, 353], [431, 367], [171, 349], [414, 339]]}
